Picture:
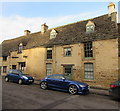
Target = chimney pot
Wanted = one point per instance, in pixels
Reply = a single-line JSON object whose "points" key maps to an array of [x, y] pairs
{"points": [[26, 32], [44, 28]]}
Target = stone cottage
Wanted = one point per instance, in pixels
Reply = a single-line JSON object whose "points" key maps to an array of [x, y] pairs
{"points": [[87, 51]]}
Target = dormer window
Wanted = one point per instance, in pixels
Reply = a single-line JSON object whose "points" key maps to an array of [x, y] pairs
{"points": [[90, 27], [20, 48], [53, 34]]}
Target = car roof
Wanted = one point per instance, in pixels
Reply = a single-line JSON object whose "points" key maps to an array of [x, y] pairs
{"points": [[55, 75], [14, 70]]}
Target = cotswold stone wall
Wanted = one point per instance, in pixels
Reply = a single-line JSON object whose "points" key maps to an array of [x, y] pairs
{"points": [[105, 60]]}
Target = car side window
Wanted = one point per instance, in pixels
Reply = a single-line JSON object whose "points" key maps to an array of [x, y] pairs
{"points": [[58, 77], [15, 72], [10, 71], [52, 77]]}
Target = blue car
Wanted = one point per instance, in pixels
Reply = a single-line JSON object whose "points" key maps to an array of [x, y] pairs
{"points": [[60, 82], [19, 77]]}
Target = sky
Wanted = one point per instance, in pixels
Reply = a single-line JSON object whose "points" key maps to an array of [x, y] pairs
{"points": [[15, 17]]}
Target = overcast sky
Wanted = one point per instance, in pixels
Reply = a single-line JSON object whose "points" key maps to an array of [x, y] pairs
{"points": [[19, 16]]}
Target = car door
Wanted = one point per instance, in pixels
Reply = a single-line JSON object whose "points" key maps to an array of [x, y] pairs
{"points": [[60, 82], [15, 76], [10, 75], [51, 82]]}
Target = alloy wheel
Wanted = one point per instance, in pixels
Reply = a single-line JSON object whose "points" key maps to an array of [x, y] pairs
{"points": [[73, 89], [6, 79], [20, 81], [43, 85]]}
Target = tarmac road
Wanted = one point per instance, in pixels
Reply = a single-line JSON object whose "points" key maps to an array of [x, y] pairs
{"points": [[15, 96]]}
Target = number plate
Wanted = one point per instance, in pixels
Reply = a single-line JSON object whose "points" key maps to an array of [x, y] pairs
{"points": [[88, 87], [30, 80]]}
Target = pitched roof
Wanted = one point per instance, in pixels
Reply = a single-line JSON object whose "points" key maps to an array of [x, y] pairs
{"points": [[76, 32], [67, 34]]}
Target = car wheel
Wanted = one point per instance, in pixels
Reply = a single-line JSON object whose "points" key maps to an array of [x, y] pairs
{"points": [[7, 79], [43, 85], [73, 89], [20, 81]]}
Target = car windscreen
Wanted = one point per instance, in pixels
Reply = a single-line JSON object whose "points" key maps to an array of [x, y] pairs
{"points": [[68, 76], [25, 74]]}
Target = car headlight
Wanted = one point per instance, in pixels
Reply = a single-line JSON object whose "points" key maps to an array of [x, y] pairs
{"points": [[81, 85], [24, 77]]}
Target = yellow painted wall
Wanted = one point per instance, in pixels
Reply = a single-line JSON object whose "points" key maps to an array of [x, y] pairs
{"points": [[4, 63], [35, 61]]}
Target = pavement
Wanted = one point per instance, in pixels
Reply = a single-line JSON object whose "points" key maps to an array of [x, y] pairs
{"points": [[97, 91]]}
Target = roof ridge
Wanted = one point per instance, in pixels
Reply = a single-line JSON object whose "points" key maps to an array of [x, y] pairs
{"points": [[78, 22], [55, 28]]}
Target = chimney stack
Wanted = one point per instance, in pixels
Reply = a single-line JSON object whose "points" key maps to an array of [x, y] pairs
{"points": [[44, 28], [111, 8], [26, 32], [111, 12]]}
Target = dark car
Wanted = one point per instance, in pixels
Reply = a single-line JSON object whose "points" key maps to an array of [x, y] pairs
{"points": [[60, 82], [114, 90], [19, 77]]}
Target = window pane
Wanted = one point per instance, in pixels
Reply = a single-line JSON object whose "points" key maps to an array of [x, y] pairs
{"points": [[68, 71], [13, 66], [4, 69], [22, 66], [48, 69], [20, 49], [90, 28], [67, 51], [88, 49], [88, 71], [49, 53], [4, 58]]}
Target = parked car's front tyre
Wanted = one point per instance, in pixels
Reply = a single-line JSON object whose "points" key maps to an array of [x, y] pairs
{"points": [[73, 89], [43, 85], [20, 81], [6, 79]]}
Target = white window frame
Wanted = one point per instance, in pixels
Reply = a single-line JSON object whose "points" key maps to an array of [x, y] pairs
{"points": [[20, 48], [88, 71], [49, 69], [4, 69], [53, 34], [67, 51], [22, 65], [48, 53], [88, 51]]}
